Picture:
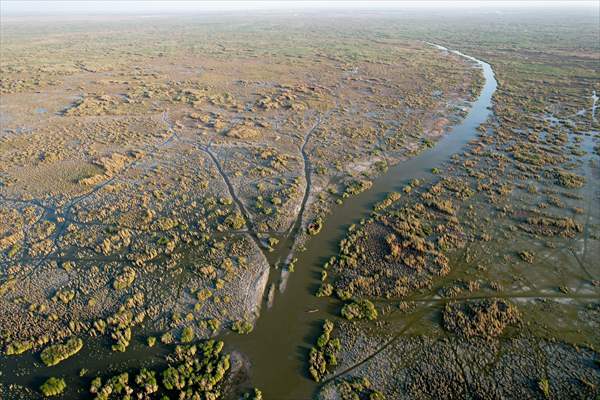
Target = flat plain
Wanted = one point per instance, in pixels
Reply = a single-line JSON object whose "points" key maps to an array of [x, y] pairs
{"points": [[327, 206]]}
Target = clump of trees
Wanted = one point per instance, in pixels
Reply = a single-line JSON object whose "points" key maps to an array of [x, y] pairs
{"points": [[315, 226], [194, 376], [355, 187], [53, 387], [242, 327], [255, 394], [146, 380], [166, 338], [358, 388], [18, 347], [323, 356], [359, 309], [195, 371], [187, 335], [56, 353], [235, 221], [122, 338], [325, 290], [118, 384]]}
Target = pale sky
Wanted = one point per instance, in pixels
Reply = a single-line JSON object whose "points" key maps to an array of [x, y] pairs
{"points": [[85, 7]]}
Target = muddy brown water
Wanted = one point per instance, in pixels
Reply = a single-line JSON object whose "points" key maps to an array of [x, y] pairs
{"points": [[277, 348]]}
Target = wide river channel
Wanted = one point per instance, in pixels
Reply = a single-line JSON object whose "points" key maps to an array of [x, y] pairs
{"points": [[278, 347]]}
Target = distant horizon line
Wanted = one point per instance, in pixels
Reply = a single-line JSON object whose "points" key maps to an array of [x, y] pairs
{"points": [[52, 8]]}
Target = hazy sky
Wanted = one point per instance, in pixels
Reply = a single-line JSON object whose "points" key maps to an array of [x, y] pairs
{"points": [[51, 7]]}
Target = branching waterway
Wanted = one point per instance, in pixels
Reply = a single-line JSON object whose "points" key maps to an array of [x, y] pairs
{"points": [[278, 347]]}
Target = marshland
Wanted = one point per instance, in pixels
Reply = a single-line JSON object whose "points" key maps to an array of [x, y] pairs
{"points": [[367, 204]]}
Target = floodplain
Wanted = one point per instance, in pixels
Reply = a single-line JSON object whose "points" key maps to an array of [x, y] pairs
{"points": [[372, 206]]}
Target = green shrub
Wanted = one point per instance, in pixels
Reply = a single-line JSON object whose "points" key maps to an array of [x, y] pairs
{"points": [[197, 376], [242, 327], [358, 388], [324, 354], [355, 187], [56, 353], [95, 385], [167, 338], [235, 221], [325, 290], [187, 335], [544, 386], [124, 280], [118, 384], [255, 394], [146, 379], [315, 227], [53, 387], [15, 348], [359, 309]]}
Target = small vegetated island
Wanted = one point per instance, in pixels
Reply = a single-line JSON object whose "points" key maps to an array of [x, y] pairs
{"points": [[165, 185]]}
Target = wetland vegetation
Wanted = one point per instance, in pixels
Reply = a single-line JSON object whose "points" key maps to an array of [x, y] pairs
{"points": [[332, 206]]}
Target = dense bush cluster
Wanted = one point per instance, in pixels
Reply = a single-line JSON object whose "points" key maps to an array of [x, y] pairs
{"points": [[242, 327], [56, 353], [484, 318], [315, 226], [116, 385], [358, 389], [197, 375], [53, 387], [194, 372], [359, 309], [324, 355]]}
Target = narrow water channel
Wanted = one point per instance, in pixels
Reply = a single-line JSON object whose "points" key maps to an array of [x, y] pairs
{"points": [[594, 101], [278, 347]]}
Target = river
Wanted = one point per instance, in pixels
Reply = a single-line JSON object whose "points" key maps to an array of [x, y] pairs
{"points": [[278, 347]]}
